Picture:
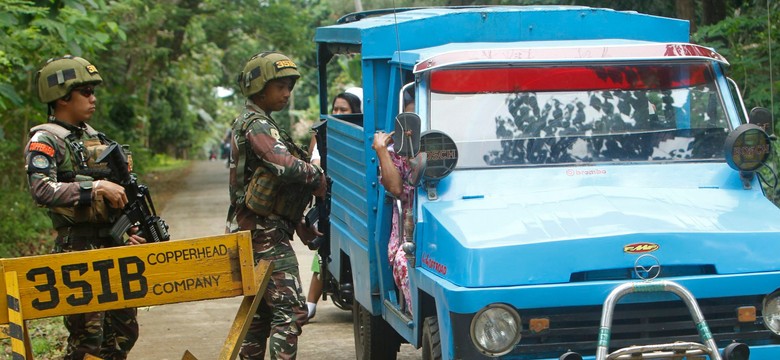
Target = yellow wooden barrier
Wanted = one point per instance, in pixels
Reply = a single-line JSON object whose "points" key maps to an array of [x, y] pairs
{"points": [[21, 348], [133, 276], [245, 313]]}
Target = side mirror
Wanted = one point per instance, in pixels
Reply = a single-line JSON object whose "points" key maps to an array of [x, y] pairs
{"points": [[406, 139], [747, 148], [763, 118]]}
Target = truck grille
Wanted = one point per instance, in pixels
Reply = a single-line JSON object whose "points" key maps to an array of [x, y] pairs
{"points": [[576, 328]]}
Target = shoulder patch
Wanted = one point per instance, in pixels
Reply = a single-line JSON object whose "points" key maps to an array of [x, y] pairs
{"points": [[40, 162], [275, 134], [42, 147]]}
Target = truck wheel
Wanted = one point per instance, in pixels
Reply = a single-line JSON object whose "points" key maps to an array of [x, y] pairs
{"points": [[431, 342], [374, 338]]}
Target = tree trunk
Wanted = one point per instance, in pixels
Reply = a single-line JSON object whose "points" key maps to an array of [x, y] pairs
{"points": [[686, 9], [713, 11]]}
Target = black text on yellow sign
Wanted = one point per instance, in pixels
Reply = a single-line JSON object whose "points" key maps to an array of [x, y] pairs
{"points": [[132, 276]]}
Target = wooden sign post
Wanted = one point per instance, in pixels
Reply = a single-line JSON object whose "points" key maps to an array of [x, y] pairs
{"points": [[17, 329], [129, 276]]}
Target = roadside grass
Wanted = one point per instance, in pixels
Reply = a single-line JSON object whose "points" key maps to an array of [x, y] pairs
{"points": [[48, 335]]}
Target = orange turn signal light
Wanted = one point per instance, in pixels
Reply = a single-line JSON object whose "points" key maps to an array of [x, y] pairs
{"points": [[746, 314], [538, 325]]}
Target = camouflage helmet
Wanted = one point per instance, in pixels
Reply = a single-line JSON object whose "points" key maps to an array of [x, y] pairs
{"points": [[59, 76], [262, 68]]}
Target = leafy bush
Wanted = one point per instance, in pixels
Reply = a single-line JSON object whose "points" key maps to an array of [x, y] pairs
{"points": [[23, 230]]}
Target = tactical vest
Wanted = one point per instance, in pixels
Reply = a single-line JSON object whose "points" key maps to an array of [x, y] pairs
{"points": [[264, 194], [79, 165]]}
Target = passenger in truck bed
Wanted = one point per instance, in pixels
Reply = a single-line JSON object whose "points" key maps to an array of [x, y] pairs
{"points": [[394, 171]]}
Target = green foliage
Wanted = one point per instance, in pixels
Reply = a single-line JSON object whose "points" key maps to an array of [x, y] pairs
{"points": [[161, 62], [24, 225], [47, 336], [744, 39]]}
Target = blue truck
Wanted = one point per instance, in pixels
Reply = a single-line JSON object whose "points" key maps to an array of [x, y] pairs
{"points": [[589, 189]]}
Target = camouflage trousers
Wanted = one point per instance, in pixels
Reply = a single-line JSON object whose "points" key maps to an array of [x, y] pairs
{"points": [[108, 335], [283, 311]]}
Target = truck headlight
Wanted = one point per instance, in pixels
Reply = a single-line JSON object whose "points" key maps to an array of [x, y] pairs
{"points": [[495, 330], [771, 312]]}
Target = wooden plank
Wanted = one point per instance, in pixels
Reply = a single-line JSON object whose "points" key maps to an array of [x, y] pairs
{"points": [[188, 356], [4, 331], [245, 313], [21, 348], [131, 276], [247, 260]]}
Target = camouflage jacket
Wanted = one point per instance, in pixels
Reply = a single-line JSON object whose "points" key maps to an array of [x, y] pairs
{"points": [[266, 147], [59, 179]]}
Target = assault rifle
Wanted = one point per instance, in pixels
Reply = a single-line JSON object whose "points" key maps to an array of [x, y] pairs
{"points": [[139, 210], [319, 214]]}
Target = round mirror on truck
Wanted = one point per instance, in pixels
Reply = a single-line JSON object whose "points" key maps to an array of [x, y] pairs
{"points": [[441, 153], [747, 148]]}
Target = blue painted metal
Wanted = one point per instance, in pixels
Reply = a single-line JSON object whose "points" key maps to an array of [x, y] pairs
{"points": [[432, 27], [516, 235], [691, 213]]}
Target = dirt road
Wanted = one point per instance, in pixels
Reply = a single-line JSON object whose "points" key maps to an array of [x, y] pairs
{"points": [[198, 208]]}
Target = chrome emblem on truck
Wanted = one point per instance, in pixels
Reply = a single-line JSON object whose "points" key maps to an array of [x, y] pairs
{"points": [[647, 267]]}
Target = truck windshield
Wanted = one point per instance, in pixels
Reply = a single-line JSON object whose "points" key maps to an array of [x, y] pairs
{"points": [[576, 114]]}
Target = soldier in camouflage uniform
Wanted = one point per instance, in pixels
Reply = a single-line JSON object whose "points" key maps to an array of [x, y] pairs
{"points": [[64, 177], [271, 182]]}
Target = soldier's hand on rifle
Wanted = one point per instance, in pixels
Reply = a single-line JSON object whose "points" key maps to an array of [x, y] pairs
{"points": [[133, 238], [113, 193], [307, 233]]}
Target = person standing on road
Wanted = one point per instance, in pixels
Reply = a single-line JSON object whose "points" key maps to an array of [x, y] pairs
{"points": [[83, 204], [271, 184]]}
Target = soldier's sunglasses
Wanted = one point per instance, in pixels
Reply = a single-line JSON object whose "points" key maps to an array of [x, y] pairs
{"points": [[85, 91]]}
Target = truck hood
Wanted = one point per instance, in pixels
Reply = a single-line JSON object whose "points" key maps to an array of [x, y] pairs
{"points": [[557, 235]]}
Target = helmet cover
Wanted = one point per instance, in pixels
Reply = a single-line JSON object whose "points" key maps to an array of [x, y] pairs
{"points": [[59, 76], [264, 67]]}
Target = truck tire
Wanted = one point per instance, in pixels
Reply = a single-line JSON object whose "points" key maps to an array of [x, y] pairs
{"points": [[431, 341], [374, 338]]}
